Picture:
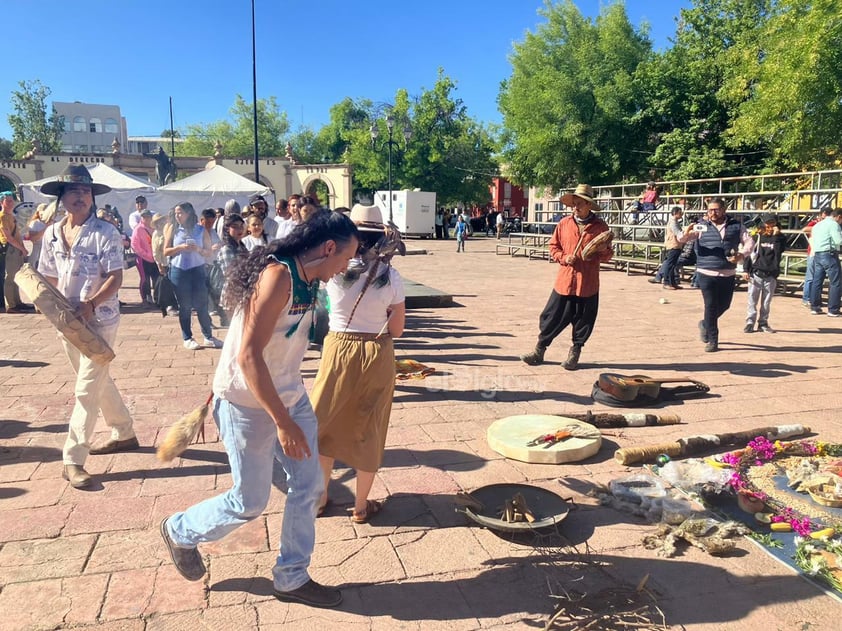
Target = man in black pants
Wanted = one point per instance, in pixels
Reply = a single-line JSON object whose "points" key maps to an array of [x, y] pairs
{"points": [[721, 243]]}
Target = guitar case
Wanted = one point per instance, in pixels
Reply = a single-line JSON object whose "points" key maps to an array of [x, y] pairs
{"points": [[664, 395]]}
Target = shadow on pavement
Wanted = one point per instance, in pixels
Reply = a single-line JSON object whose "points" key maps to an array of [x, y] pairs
{"points": [[11, 428], [21, 363], [735, 368], [406, 393], [529, 588]]}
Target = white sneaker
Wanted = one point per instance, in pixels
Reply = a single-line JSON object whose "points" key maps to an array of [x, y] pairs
{"points": [[191, 345], [172, 311], [212, 342]]}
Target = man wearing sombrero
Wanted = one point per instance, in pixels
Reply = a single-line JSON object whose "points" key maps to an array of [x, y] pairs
{"points": [[82, 256], [575, 295]]}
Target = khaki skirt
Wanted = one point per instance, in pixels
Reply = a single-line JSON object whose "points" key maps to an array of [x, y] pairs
{"points": [[352, 398]]}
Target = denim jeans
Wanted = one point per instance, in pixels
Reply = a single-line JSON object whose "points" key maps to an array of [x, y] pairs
{"points": [[251, 441], [808, 281], [826, 264], [191, 291], [669, 268], [717, 292]]}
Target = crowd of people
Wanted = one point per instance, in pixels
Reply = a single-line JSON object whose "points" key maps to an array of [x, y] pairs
{"points": [[259, 402], [272, 269], [723, 250]]}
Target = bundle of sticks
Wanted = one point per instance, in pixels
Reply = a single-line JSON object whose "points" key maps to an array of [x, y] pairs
{"points": [[695, 445], [516, 509]]}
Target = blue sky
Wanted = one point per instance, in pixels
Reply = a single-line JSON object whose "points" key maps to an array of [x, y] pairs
{"points": [[137, 54]]}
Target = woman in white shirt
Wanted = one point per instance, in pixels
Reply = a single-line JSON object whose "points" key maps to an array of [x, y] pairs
{"points": [[352, 395]]}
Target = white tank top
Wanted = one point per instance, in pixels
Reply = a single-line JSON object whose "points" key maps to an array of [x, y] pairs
{"points": [[283, 354]]}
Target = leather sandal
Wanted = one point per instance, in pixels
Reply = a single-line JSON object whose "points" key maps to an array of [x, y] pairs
{"points": [[372, 507]]}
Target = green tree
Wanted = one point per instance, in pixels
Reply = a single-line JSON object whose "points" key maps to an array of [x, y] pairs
{"points": [[682, 108], [785, 84], [237, 134], [568, 107], [7, 151], [449, 153], [29, 120]]}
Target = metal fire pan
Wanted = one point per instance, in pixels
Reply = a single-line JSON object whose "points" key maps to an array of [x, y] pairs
{"points": [[548, 508]]}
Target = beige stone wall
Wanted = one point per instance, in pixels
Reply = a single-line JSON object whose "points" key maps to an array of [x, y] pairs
{"points": [[279, 174]]}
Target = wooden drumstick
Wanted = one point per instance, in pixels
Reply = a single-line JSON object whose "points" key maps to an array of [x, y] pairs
{"points": [[579, 244]]}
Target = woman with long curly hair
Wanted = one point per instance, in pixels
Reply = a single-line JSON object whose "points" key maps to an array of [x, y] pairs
{"points": [[261, 407]]}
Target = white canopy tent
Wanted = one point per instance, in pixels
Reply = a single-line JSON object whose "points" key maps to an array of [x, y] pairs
{"points": [[124, 189], [210, 188]]}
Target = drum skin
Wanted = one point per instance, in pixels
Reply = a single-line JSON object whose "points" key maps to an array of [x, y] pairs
{"points": [[509, 437]]}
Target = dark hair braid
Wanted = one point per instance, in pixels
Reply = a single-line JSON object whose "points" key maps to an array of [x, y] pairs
{"points": [[243, 273]]}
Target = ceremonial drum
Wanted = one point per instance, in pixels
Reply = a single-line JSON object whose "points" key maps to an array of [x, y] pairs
{"points": [[510, 437], [62, 315], [600, 242]]}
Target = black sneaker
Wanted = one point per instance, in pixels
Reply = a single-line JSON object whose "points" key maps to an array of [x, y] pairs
{"points": [[711, 347], [187, 561], [311, 593], [749, 328], [767, 329]]}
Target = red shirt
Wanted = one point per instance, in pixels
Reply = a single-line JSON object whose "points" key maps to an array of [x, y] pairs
{"points": [[582, 277]]}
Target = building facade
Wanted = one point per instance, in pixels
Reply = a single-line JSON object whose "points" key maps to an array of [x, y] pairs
{"points": [[282, 175], [508, 198], [89, 128]]}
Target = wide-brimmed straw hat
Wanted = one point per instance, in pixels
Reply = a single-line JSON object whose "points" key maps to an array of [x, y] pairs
{"points": [[74, 174], [367, 218], [583, 191]]}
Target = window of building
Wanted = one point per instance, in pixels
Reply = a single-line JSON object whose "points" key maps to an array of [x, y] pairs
{"points": [[95, 126], [79, 124], [80, 148], [110, 126]]}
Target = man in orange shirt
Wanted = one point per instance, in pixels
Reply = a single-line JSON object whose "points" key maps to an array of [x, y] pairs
{"points": [[575, 296]]}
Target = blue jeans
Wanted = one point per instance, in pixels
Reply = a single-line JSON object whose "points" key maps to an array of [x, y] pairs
{"points": [[191, 290], [669, 268], [826, 264], [808, 281], [251, 440]]}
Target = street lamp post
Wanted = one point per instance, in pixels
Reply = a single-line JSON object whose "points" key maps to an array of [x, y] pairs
{"points": [[375, 133]]}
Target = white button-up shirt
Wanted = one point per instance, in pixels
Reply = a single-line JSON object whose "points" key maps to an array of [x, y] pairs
{"points": [[82, 270]]}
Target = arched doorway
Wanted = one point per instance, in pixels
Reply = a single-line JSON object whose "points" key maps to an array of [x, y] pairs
{"points": [[8, 181], [320, 188]]}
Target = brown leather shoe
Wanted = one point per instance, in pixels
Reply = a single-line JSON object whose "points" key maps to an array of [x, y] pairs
{"points": [[113, 446], [77, 476]]}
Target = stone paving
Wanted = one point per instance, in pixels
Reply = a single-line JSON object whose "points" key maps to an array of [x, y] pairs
{"points": [[93, 559]]}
